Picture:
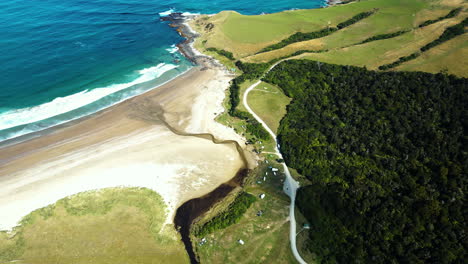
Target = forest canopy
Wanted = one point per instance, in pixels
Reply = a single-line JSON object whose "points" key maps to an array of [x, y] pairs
{"points": [[386, 153]]}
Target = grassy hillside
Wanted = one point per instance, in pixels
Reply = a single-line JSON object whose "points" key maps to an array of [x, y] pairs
{"points": [[121, 225], [376, 53], [449, 57], [269, 102], [246, 36], [266, 237]]}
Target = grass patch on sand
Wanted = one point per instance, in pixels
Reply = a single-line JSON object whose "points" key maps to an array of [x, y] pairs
{"points": [[269, 102], [116, 225], [266, 237]]}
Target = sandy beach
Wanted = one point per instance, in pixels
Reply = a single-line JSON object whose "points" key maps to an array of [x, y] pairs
{"points": [[138, 143]]}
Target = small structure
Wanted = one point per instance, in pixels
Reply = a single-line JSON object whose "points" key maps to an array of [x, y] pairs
{"points": [[264, 178], [262, 196], [306, 226], [202, 242], [274, 170], [240, 241]]}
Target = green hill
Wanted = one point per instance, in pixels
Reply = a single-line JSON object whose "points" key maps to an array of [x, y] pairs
{"points": [[115, 225], [370, 41]]}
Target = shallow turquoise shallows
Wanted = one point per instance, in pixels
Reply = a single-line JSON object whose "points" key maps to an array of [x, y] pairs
{"points": [[63, 59]]}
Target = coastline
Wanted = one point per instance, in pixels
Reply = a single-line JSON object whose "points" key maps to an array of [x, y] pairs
{"points": [[334, 2], [81, 155]]}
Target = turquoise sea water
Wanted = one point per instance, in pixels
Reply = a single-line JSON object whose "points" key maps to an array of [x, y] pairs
{"points": [[61, 60]]}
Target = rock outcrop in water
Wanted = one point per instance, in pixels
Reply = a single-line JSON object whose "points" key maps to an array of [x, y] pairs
{"points": [[179, 22]]}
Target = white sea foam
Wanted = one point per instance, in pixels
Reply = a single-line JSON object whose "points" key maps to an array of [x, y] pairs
{"points": [[173, 49], [172, 10], [166, 13], [190, 14], [62, 105]]}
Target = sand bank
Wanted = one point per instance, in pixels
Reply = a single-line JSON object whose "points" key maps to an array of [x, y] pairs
{"points": [[127, 145]]}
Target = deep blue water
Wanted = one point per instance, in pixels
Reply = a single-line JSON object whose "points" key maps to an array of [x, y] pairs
{"points": [[62, 59]]}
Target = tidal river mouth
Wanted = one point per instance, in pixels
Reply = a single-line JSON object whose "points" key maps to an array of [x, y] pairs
{"points": [[194, 208]]}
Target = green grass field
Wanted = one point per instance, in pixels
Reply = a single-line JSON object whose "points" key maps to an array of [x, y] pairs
{"points": [[118, 225], [241, 31], [246, 35], [448, 57], [266, 237], [381, 22], [376, 53], [269, 102], [239, 125]]}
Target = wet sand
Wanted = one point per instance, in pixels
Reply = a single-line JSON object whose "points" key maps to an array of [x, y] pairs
{"points": [[130, 144]]}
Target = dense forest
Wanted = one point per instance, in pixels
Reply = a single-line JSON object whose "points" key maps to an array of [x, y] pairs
{"points": [[301, 36], [230, 216], [387, 156]]}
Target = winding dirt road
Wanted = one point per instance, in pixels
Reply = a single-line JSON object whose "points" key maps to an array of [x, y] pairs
{"points": [[290, 185]]}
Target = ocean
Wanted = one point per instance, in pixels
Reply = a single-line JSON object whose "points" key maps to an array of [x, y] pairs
{"points": [[61, 60]]}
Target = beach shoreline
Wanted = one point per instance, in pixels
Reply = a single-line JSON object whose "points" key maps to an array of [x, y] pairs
{"points": [[78, 155]]}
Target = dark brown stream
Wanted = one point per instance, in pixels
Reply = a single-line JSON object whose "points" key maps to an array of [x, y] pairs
{"points": [[192, 209]]}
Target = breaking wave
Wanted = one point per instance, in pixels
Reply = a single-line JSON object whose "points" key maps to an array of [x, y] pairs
{"points": [[19, 122]]}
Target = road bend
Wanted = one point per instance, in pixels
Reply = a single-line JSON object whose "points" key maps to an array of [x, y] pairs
{"points": [[290, 185]]}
